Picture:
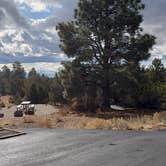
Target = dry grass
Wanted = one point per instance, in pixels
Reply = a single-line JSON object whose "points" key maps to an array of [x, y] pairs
{"points": [[6, 100], [98, 124], [12, 123], [147, 122], [39, 121], [27, 121], [74, 121]]}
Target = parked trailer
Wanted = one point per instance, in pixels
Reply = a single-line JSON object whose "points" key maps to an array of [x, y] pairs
{"points": [[25, 108]]}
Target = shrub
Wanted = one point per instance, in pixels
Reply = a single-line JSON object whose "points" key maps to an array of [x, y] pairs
{"points": [[2, 105], [84, 104], [17, 100], [99, 124], [11, 100]]}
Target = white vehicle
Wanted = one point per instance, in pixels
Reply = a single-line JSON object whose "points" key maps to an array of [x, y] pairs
{"points": [[117, 108], [25, 107]]}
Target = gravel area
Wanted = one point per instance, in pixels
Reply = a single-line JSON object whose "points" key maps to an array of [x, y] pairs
{"points": [[41, 109]]}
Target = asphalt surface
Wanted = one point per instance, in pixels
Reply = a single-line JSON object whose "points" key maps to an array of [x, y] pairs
{"points": [[57, 147]]}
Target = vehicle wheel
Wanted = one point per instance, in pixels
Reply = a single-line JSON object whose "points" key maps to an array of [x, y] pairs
{"points": [[18, 114], [29, 113], [1, 115]]}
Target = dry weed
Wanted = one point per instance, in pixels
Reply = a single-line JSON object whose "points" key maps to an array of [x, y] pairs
{"points": [[64, 120], [98, 124]]}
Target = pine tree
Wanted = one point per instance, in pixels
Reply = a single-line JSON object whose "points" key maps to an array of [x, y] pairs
{"points": [[104, 34]]}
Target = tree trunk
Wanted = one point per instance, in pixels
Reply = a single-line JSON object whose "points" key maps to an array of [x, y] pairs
{"points": [[106, 90]]}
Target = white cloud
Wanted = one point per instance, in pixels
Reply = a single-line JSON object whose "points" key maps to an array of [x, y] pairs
{"points": [[154, 23], [35, 40], [38, 41], [39, 5], [10, 15], [18, 38]]}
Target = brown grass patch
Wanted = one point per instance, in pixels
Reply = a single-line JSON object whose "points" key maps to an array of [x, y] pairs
{"points": [[6, 100], [98, 124], [146, 122], [39, 121], [156, 121], [65, 119], [12, 123]]}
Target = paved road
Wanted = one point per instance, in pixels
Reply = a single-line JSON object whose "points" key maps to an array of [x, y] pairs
{"points": [[57, 147]]}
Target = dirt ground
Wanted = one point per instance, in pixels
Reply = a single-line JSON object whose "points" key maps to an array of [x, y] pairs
{"points": [[48, 116], [41, 109]]}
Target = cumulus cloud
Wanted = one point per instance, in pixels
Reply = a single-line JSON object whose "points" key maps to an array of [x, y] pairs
{"points": [[45, 5], [9, 14], [38, 42], [30, 39], [154, 23], [39, 5]]}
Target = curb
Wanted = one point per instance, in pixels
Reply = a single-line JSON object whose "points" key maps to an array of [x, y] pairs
{"points": [[17, 133]]}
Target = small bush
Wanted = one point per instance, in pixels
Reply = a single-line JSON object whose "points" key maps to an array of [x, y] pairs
{"points": [[11, 100], [40, 121], [156, 117], [2, 105], [44, 122], [17, 100], [29, 119], [98, 124], [84, 104], [63, 112]]}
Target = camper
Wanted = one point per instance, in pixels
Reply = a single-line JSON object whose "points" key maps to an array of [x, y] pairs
{"points": [[25, 108]]}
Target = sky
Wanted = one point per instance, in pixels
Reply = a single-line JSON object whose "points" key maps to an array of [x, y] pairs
{"points": [[28, 34]]}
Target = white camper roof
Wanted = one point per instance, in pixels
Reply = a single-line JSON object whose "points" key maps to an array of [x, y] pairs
{"points": [[32, 106], [19, 106], [25, 103]]}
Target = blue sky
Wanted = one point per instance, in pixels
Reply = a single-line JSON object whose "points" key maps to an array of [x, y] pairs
{"points": [[26, 11], [28, 34]]}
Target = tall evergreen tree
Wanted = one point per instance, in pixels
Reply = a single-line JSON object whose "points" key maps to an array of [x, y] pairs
{"points": [[104, 34], [5, 80], [32, 72], [17, 80], [33, 94]]}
